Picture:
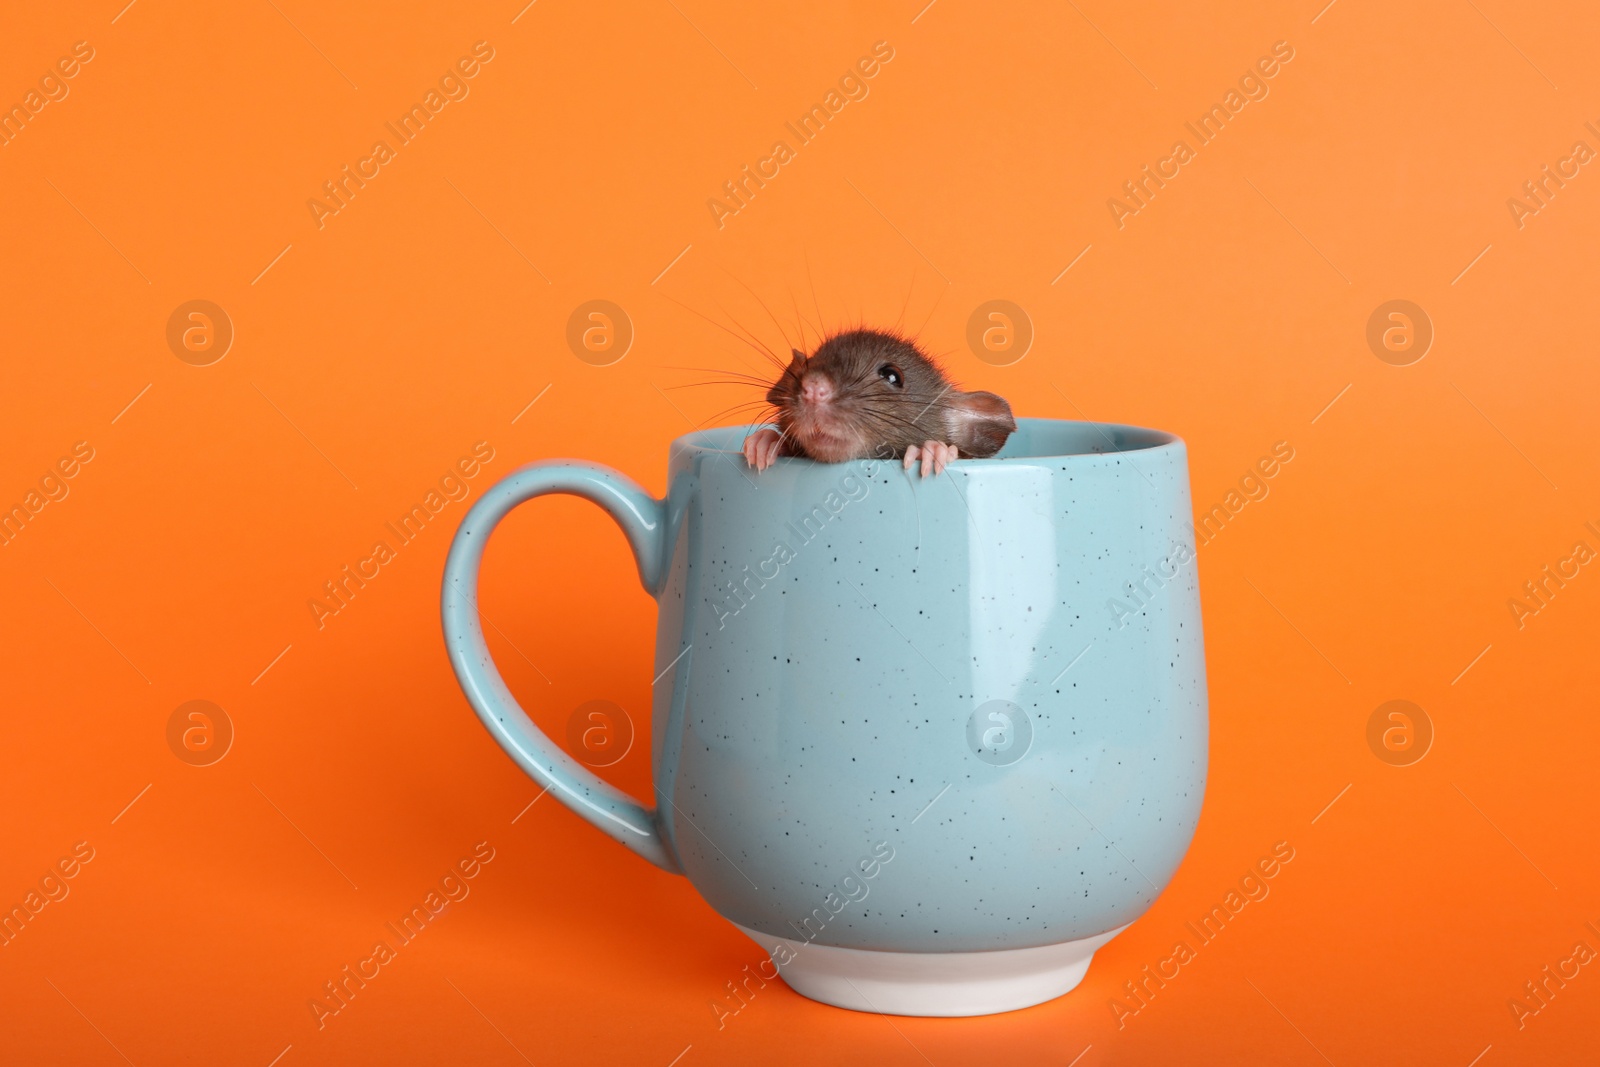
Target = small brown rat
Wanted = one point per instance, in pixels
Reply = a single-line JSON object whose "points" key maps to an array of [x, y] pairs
{"points": [[868, 393]]}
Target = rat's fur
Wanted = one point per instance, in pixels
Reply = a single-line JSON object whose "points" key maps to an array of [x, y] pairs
{"points": [[852, 409]]}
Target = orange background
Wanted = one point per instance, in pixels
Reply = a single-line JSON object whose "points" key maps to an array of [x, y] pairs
{"points": [[429, 312]]}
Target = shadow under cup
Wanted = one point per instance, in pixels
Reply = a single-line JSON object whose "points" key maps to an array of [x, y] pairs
{"points": [[929, 741]]}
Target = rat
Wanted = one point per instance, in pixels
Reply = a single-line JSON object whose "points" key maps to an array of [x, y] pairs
{"points": [[869, 393]]}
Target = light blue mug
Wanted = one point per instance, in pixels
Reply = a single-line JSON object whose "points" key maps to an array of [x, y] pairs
{"points": [[929, 741]]}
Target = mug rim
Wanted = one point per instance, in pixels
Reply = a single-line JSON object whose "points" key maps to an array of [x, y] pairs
{"points": [[1139, 439]]}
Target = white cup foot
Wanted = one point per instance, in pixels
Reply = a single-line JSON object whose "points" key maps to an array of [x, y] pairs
{"points": [[947, 984]]}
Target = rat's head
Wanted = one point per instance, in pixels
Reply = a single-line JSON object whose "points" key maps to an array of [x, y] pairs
{"points": [[860, 393], [866, 393]]}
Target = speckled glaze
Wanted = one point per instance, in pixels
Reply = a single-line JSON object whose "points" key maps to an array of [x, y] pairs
{"points": [[826, 633]]}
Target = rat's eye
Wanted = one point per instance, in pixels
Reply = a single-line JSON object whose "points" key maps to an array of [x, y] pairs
{"points": [[891, 374]]}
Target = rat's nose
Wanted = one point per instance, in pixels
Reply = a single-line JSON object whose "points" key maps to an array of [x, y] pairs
{"points": [[816, 389]]}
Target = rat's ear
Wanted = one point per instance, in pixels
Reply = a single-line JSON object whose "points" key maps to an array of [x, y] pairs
{"points": [[980, 423]]}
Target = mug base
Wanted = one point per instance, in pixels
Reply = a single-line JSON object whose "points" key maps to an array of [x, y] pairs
{"points": [[943, 984]]}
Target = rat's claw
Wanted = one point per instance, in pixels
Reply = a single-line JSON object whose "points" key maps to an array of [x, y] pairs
{"points": [[773, 448], [761, 448], [932, 455]]}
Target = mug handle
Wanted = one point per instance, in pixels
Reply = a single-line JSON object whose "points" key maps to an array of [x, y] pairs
{"points": [[643, 520]]}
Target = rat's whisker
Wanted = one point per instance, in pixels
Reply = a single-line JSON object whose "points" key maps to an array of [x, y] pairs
{"points": [[910, 290], [882, 423], [744, 341], [759, 407], [737, 407], [761, 345], [716, 381], [881, 420], [803, 323], [782, 332], [822, 325], [718, 370], [881, 417], [931, 310]]}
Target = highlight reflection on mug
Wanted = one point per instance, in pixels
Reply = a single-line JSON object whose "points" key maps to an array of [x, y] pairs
{"points": [[999, 733], [599, 733], [199, 733]]}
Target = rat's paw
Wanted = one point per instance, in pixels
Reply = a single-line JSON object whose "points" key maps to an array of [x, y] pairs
{"points": [[933, 456], [761, 448]]}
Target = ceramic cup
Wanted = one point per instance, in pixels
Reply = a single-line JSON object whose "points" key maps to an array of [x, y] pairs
{"points": [[929, 741]]}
